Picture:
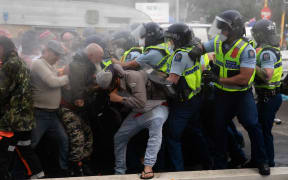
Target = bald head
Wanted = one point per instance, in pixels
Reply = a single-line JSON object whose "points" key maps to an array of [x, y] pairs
{"points": [[68, 38], [94, 52]]}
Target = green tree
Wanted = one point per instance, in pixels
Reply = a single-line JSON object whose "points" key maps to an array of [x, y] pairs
{"points": [[248, 8]]}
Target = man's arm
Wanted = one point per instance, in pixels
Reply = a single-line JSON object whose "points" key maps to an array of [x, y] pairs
{"points": [[265, 73], [47, 76], [241, 79], [178, 65], [247, 67], [174, 78], [127, 65], [265, 70]]}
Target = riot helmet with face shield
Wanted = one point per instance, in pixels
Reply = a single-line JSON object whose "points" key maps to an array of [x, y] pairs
{"points": [[122, 41], [231, 25], [178, 35], [149, 34]]}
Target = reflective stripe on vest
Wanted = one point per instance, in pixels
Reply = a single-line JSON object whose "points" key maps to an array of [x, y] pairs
{"points": [[229, 64], [278, 69], [138, 49], [192, 75], [252, 43], [105, 64], [162, 64]]}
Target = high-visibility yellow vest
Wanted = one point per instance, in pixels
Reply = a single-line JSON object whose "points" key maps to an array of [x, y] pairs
{"points": [[105, 63], [124, 57], [252, 43], [162, 64], [206, 61], [278, 69], [192, 75], [228, 64]]}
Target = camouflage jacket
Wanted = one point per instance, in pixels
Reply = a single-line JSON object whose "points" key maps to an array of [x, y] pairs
{"points": [[16, 105]]}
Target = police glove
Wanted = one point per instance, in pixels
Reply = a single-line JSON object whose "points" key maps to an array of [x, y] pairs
{"points": [[209, 76], [196, 53], [213, 67]]}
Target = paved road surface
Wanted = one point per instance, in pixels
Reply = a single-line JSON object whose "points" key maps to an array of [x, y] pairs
{"points": [[280, 133]]}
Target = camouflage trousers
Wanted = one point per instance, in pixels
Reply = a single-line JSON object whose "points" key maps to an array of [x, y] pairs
{"points": [[79, 134]]}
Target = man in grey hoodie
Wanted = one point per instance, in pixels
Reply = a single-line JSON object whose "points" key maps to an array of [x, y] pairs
{"points": [[129, 88]]}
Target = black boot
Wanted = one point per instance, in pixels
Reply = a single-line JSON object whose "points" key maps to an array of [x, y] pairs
{"points": [[264, 169]]}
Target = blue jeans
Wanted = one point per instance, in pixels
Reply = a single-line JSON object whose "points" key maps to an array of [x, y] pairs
{"points": [[48, 122], [266, 113], [180, 115], [242, 105], [153, 120]]}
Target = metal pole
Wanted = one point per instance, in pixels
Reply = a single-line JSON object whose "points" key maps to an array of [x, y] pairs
{"points": [[282, 28]]}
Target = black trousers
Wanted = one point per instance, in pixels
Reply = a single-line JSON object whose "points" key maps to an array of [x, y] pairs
{"points": [[21, 144]]}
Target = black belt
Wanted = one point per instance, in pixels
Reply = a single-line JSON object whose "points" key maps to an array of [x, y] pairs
{"points": [[222, 92], [47, 110], [265, 94]]}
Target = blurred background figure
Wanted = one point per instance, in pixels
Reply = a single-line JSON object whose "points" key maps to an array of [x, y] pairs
{"points": [[30, 45]]}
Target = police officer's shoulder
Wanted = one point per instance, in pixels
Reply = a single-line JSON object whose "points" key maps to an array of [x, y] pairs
{"points": [[181, 56], [267, 55], [134, 53], [273, 50], [249, 51]]}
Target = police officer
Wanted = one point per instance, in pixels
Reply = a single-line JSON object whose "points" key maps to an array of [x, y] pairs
{"points": [[267, 81], [185, 74], [125, 46], [156, 52], [233, 75]]}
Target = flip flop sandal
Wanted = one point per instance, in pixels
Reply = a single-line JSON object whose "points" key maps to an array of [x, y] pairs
{"points": [[150, 177]]}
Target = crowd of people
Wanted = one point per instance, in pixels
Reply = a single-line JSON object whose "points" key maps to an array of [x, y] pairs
{"points": [[145, 100]]}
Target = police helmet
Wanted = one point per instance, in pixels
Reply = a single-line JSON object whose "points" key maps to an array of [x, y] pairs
{"points": [[264, 31], [123, 39], [180, 34], [232, 21], [152, 33]]}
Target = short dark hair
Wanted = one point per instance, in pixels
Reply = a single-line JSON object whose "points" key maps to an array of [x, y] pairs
{"points": [[8, 47]]}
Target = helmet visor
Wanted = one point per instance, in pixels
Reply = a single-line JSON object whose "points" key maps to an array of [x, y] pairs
{"points": [[139, 32], [222, 23]]}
